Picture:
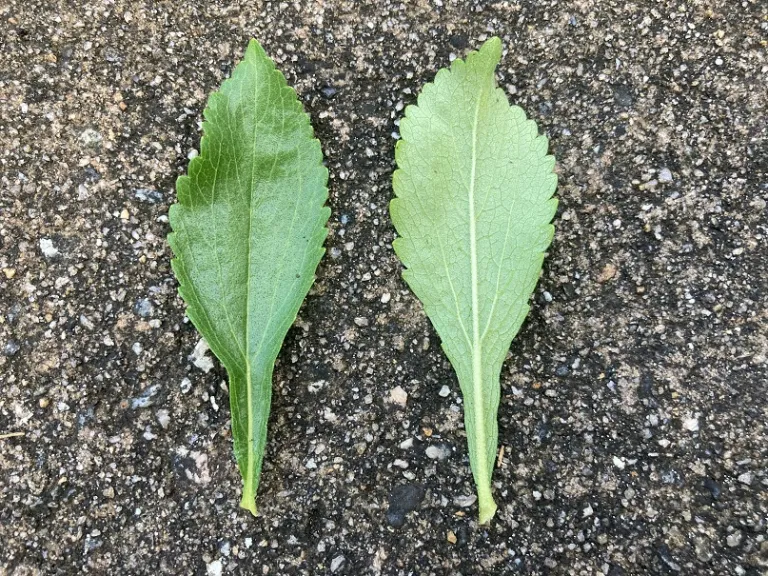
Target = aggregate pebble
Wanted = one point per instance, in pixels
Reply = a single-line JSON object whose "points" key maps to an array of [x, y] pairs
{"points": [[404, 498]]}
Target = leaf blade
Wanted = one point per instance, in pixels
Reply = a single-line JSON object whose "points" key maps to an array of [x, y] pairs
{"points": [[248, 231], [472, 209]]}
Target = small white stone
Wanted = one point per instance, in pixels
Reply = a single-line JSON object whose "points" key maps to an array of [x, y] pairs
{"points": [[587, 511], [336, 563], [86, 322], [438, 452], [402, 464], [406, 444], [330, 415], [201, 474], [386, 297], [316, 386], [465, 501], [444, 391], [214, 568], [186, 385], [691, 424], [665, 175], [745, 478], [618, 462], [398, 396], [163, 418], [47, 248], [90, 137], [199, 358]]}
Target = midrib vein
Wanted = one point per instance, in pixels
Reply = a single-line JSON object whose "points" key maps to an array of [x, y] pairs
{"points": [[250, 467], [477, 350]]}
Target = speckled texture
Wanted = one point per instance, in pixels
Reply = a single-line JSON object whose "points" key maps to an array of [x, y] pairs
{"points": [[633, 419]]}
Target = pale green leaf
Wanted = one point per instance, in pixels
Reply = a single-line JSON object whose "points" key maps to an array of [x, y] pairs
{"points": [[473, 209], [248, 232]]}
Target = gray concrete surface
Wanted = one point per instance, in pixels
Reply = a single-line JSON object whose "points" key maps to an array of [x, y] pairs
{"points": [[633, 420]]}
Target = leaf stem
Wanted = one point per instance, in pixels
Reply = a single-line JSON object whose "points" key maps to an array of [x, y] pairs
{"points": [[249, 492]]}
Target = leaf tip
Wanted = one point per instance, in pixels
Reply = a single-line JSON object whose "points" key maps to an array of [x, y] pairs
{"points": [[485, 59], [493, 47], [254, 48]]}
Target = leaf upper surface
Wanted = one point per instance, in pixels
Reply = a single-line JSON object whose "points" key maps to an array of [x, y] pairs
{"points": [[473, 208], [248, 232]]}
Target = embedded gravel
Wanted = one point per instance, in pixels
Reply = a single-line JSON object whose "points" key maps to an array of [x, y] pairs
{"points": [[633, 418]]}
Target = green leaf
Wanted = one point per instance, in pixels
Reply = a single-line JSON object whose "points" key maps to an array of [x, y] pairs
{"points": [[248, 233], [473, 209]]}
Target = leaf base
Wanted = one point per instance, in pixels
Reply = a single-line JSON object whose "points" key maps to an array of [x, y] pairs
{"points": [[249, 502], [487, 507]]}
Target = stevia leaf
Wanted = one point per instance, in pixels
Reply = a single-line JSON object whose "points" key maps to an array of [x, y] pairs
{"points": [[248, 232], [473, 208]]}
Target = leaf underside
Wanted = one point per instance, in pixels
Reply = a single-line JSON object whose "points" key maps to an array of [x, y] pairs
{"points": [[248, 232], [473, 208]]}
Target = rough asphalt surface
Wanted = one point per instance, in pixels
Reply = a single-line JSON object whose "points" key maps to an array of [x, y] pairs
{"points": [[633, 417]]}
